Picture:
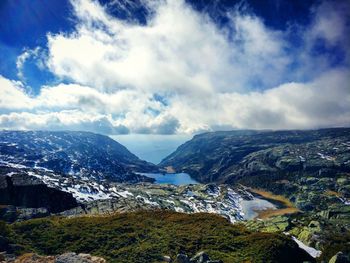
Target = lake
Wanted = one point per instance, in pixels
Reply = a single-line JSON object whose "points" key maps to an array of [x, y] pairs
{"points": [[175, 178], [250, 207]]}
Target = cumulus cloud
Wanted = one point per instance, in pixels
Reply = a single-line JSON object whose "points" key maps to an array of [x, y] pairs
{"points": [[13, 95], [179, 50], [63, 120], [182, 73]]}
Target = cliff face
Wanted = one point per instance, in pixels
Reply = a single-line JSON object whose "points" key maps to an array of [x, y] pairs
{"points": [[26, 191]]}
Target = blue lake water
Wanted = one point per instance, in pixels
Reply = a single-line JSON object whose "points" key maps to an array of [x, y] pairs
{"points": [[176, 178]]}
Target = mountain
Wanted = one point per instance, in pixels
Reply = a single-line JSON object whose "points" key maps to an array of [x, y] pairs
{"points": [[72, 174], [228, 156], [81, 154], [310, 167]]}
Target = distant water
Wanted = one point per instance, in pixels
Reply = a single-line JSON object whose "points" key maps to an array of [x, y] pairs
{"points": [[250, 207], [176, 178], [150, 147]]}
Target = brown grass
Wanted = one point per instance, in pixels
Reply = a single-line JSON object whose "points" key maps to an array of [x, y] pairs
{"points": [[264, 214], [289, 207], [330, 193], [30, 257]]}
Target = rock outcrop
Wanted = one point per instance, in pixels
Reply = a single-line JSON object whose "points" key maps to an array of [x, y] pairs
{"points": [[26, 191], [63, 258], [200, 257]]}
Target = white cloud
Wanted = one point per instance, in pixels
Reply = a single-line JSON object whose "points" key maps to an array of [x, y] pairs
{"points": [[180, 73], [331, 22], [12, 95], [179, 50], [22, 59]]}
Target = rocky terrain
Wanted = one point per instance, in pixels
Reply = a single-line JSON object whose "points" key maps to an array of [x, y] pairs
{"points": [[310, 168], [222, 200], [72, 174], [217, 156], [26, 191], [40, 193], [82, 154]]}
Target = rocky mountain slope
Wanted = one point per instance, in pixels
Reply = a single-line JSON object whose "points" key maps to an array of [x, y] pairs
{"points": [[39, 192], [215, 156], [310, 168], [81, 154], [70, 174]]}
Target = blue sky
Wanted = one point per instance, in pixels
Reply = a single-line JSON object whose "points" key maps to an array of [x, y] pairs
{"points": [[174, 67], [29, 22]]}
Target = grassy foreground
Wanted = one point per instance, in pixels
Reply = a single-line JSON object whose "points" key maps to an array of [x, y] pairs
{"points": [[146, 236]]}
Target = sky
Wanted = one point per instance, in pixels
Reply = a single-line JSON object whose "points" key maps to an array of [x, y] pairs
{"points": [[151, 147], [174, 66]]}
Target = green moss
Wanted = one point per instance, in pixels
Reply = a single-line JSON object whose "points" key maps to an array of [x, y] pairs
{"points": [[147, 236], [335, 243]]}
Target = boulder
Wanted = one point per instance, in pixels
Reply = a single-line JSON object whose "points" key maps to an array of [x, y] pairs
{"points": [[166, 258], [182, 258], [200, 257], [72, 257]]}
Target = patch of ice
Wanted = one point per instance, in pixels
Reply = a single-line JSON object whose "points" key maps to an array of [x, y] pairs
{"points": [[179, 209], [125, 194]]}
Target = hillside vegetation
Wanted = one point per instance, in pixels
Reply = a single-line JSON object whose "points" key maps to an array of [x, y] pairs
{"points": [[147, 236]]}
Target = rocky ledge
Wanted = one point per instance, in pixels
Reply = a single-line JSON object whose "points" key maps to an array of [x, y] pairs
{"points": [[27, 191]]}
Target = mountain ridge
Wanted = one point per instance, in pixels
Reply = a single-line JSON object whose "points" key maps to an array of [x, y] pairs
{"points": [[73, 152], [198, 155]]}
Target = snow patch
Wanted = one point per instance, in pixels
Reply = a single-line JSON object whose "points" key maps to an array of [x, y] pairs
{"points": [[310, 250]]}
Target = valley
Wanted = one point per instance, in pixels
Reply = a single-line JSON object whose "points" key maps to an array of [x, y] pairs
{"points": [[291, 182]]}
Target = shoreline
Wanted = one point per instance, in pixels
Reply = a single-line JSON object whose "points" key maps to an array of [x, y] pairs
{"points": [[284, 205]]}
